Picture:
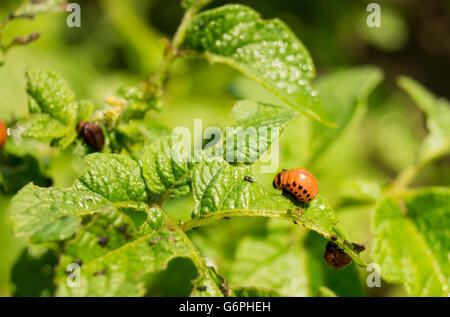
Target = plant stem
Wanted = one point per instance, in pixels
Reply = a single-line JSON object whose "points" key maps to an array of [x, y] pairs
{"points": [[172, 51]]}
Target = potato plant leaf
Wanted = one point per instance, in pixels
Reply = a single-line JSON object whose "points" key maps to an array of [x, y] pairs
{"points": [[165, 169], [221, 190], [341, 94], [116, 177], [437, 110], [256, 127], [290, 262], [411, 243], [116, 259], [265, 50], [51, 214], [50, 95]]}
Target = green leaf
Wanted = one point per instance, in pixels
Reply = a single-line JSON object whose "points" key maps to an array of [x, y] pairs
{"points": [[165, 169], [84, 109], [290, 261], [41, 126], [116, 177], [256, 127], [221, 190], [413, 249], [51, 214], [51, 95], [341, 94], [121, 266], [266, 51], [276, 261], [437, 143], [359, 190], [253, 292]]}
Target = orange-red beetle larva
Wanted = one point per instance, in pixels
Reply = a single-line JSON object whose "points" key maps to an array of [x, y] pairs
{"points": [[298, 182], [3, 134]]}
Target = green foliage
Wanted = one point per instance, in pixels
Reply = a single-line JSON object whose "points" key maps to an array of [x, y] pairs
{"points": [[165, 168], [341, 94], [256, 127], [411, 243], [119, 219], [266, 51], [437, 111]]}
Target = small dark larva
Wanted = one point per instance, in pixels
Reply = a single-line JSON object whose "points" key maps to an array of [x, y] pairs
{"points": [[3, 134], [103, 241], [358, 247], [102, 272], [336, 257], [299, 183], [92, 134], [249, 179], [201, 288]]}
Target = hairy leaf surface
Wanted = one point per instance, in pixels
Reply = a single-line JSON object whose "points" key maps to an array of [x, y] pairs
{"points": [[265, 50]]}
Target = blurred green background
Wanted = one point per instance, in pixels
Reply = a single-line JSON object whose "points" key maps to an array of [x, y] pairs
{"points": [[120, 43]]}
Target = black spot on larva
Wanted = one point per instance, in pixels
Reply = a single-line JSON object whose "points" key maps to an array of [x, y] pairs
{"points": [[294, 183], [305, 191], [278, 179], [201, 288], [300, 187], [103, 241], [308, 195]]}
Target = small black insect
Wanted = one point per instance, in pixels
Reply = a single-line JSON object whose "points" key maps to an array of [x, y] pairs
{"points": [[334, 237], [249, 179], [123, 228], [92, 134], [358, 247], [79, 262], [201, 288], [227, 218], [102, 272], [103, 241]]}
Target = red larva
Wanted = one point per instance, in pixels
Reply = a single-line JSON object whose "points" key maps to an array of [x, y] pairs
{"points": [[335, 257], [299, 182], [92, 134], [3, 134]]}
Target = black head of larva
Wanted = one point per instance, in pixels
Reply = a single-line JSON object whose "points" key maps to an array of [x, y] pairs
{"points": [[92, 134]]}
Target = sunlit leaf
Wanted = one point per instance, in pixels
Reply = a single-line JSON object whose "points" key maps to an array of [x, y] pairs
{"points": [[266, 51], [341, 94]]}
